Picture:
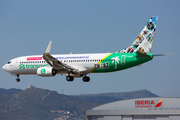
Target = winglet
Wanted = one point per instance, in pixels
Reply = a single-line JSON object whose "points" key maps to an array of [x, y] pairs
{"points": [[48, 48]]}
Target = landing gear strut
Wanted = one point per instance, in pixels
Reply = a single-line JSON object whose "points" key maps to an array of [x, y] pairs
{"points": [[17, 79], [86, 79]]}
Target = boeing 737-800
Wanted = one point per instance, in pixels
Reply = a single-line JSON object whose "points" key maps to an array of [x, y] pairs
{"points": [[79, 65]]}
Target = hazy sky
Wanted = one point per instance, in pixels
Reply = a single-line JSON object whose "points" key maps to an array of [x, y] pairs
{"points": [[80, 26]]}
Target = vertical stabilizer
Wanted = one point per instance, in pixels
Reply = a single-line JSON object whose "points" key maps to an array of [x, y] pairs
{"points": [[143, 43]]}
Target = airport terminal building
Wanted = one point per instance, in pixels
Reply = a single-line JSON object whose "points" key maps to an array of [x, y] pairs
{"points": [[137, 109]]}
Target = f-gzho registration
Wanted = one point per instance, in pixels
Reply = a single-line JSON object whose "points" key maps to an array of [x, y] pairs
{"points": [[79, 65]]}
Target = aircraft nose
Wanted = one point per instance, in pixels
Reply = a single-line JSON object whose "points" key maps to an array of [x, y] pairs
{"points": [[4, 67]]}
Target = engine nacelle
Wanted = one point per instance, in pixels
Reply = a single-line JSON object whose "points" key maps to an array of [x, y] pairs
{"points": [[46, 72]]}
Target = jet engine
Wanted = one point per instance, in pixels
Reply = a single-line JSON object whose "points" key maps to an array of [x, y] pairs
{"points": [[46, 72]]}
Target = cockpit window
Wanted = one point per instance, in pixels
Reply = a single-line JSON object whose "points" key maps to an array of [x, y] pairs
{"points": [[9, 62]]}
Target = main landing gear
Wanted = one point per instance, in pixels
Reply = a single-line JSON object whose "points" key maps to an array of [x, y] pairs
{"points": [[86, 78], [17, 79], [71, 78]]}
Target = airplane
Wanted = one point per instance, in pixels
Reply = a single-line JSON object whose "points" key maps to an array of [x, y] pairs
{"points": [[79, 65]]}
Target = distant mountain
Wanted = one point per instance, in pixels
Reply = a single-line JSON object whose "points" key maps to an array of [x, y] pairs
{"points": [[37, 104], [9, 91], [111, 97]]}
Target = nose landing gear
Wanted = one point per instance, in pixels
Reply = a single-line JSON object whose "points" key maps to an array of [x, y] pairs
{"points": [[17, 79]]}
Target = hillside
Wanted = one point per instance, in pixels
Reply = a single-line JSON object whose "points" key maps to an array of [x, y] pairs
{"points": [[111, 97], [9, 91], [36, 104]]}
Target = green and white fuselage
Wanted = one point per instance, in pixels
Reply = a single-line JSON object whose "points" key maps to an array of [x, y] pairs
{"points": [[85, 63], [79, 65]]}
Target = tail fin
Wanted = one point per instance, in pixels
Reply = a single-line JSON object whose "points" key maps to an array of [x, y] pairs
{"points": [[143, 42]]}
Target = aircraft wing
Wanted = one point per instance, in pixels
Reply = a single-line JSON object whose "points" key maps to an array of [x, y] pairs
{"points": [[56, 64]]}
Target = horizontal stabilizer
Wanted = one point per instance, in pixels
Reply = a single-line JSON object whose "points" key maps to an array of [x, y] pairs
{"points": [[164, 54]]}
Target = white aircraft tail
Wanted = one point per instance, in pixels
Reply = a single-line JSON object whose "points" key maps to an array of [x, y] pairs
{"points": [[143, 43]]}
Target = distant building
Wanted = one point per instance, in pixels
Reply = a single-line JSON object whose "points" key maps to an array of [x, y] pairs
{"points": [[31, 86], [137, 109]]}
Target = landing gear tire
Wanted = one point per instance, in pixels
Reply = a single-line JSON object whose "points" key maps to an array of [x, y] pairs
{"points": [[86, 79], [17, 80], [70, 78]]}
